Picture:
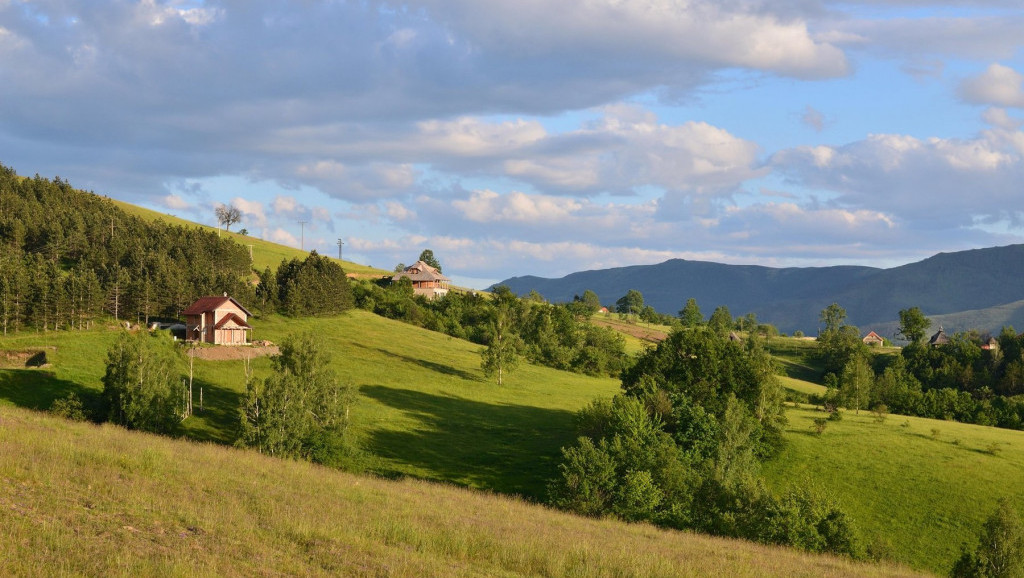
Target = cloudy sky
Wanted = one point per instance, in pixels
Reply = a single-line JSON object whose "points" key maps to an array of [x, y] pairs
{"points": [[518, 137]]}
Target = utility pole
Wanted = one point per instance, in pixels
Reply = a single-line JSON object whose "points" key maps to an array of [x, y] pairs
{"points": [[340, 243], [302, 243], [250, 253]]}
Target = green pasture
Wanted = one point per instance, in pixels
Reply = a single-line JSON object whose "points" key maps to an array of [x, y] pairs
{"points": [[426, 411], [917, 488], [425, 408]]}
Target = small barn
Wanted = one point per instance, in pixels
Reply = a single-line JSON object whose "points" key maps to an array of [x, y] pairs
{"points": [[873, 339], [218, 320], [940, 338], [426, 280]]}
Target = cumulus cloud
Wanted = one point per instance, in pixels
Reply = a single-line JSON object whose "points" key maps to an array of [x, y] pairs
{"points": [[936, 183], [176, 202], [253, 211], [999, 86]]}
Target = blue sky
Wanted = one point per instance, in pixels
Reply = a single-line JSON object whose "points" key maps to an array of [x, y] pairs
{"points": [[517, 137]]}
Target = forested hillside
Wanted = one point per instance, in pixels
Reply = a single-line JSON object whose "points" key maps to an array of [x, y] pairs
{"points": [[68, 257]]}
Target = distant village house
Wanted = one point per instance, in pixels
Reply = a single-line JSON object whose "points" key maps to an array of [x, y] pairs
{"points": [[218, 320], [873, 339], [939, 338], [426, 280]]}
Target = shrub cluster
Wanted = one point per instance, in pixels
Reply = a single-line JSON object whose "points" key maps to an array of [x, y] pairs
{"points": [[681, 447]]}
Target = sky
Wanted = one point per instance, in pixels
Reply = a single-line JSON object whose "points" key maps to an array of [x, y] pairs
{"points": [[520, 137]]}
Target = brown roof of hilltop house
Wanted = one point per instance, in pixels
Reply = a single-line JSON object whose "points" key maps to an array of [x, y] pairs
{"points": [[420, 271], [204, 304]]}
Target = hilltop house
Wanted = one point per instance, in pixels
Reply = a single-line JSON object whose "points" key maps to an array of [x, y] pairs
{"points": [[873, 339], [426, 280], [217, 320]]}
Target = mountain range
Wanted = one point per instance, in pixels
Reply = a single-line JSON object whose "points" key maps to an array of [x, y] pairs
{"points": [[977, 289]]}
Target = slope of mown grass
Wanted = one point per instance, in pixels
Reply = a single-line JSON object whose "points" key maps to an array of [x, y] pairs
{"points": [[264, 253], [80, 499], [917, 488]]}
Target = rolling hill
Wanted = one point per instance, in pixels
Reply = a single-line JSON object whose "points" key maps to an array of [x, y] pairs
{"points": [[80, 499], [978, 289]]}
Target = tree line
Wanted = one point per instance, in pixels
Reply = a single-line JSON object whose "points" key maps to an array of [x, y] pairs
{"points": [[553, 335], [954, 380], [68, 258]]}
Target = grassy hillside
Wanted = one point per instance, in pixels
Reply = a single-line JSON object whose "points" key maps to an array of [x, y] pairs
{"points": [[917, 488], [81, 499], [264, 253], [426, 411], [425, 408]]}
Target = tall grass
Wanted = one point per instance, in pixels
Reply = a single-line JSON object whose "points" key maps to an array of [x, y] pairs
{"points": [[79, 499]]}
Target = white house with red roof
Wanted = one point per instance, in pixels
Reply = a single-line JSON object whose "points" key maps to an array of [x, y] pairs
{"points": [[218, 320]]}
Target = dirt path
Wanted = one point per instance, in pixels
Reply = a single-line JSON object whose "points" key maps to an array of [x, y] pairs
{"points": [[224, 353]]}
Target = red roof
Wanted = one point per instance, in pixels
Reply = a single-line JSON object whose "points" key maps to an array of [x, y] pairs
{"points": [[229, 317], [204, 304]]}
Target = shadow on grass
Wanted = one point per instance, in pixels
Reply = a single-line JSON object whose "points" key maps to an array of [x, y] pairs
{"points": [[799, 371], [217, 419], [511, 449], [38, 389], [431, 365]]}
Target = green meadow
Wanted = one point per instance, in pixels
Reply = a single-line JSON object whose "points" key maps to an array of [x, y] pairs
{"points": [[85, 500], [425, 408], [917, 488]]}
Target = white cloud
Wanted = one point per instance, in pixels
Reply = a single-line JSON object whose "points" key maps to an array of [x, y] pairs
{"points": [[998, 86], [933, 182], [176, 202], [253, 211], [283, 237]]}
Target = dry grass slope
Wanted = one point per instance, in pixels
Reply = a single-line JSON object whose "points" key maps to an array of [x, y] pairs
{"points": [[79, 499]]}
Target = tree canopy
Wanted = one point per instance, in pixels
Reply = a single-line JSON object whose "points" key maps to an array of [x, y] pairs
{"points": [[690, 314], [143, 387], [301, 410], [427, 256], [632, 302]]}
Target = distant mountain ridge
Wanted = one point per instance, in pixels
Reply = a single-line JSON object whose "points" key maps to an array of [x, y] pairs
{"points": [[957, 288]]}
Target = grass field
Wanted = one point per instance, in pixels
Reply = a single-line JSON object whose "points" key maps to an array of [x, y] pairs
{"points": [[426, 411], [80, 499], [638, 335], [425, 408], [917, 488]]}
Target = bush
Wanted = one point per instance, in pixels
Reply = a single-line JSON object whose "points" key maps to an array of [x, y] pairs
{"points": [[70, 407], [143, 387]]}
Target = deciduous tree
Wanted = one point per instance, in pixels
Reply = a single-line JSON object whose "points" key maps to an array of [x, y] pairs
{"points": [[227, 215], [690, 314], [142, 386], [301, 410], [913, 324]]}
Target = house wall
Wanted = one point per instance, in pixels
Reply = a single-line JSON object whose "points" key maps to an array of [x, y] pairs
{"points": [[231, 334]]}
